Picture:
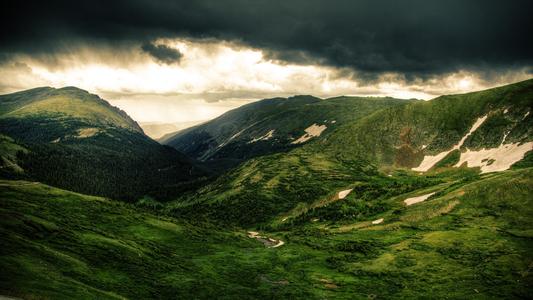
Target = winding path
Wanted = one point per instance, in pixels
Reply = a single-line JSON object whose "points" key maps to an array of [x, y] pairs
{"points": [[267, 241]]}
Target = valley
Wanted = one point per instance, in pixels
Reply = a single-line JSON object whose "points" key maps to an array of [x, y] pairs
{"points": [[459, 243], [284, 198]]}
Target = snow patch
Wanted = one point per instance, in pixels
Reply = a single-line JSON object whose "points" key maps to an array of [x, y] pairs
{"points": [[430, 160], [413, 200], [310, 132], [504, 137], [236, 135], [378, 221], [231, 138], [264, 137], [87, 132], [495, 159], [343, 194]]}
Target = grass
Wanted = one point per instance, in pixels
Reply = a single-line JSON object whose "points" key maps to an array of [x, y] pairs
{"points": [[472, 240], [60, 244], [67, 102], [438, 124], [10, 152], [389, 141]]}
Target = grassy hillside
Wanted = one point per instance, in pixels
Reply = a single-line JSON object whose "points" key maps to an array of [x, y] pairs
{"points": [[62, 245], [472, 239], [402, 135], [10, 153], [78, 141], [270, 126], [376, 148], [63, 103]]}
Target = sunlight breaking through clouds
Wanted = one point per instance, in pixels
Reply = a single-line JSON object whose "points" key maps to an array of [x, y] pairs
{"points": [[211, 77]]}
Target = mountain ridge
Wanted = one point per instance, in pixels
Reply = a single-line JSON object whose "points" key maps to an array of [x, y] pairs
{"points": [[78, 141], [270, 126], [416, 125], [53, 101], [385, 146]]}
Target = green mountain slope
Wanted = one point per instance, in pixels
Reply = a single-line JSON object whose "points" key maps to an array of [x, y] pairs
{"points": [[62, 245], [403, 135], [10, 153], [385, 147], [68, 102], [80, 142], [270, 126], [472, 239]]}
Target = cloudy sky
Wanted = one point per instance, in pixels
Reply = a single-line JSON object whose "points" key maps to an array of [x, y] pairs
{"points": [[183, 61]]}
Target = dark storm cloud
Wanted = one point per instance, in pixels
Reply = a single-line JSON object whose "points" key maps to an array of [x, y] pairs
{"points": [[162, 53], [412, 37]]}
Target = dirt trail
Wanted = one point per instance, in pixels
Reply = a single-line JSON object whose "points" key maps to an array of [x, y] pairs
{"points": [[267, 241]]}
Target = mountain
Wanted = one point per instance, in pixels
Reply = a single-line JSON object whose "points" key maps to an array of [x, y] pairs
{"points": [[384, 154], [69, 103], [408, 136], [157, 130], [270, 126], [410, 198], [76, 140]]}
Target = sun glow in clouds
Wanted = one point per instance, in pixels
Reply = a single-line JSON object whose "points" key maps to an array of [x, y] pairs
{"points": [[210, 78], [204, 68]]}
